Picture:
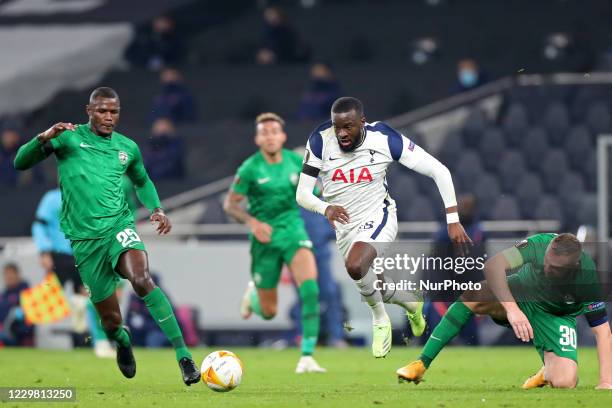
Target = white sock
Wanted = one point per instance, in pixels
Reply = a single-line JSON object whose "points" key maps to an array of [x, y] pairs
{"points": [[409, 301], [372, 297]]}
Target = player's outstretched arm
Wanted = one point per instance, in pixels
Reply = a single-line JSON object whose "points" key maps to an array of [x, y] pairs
{"points": [[233, 207], [603, 338], [495, 273], [38, 149]]}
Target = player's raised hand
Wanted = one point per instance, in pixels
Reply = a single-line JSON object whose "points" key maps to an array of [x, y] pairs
{"points": [[520, 324], [336, 213], [261, 231], [56, 130], [161, 219], [460, 239]]}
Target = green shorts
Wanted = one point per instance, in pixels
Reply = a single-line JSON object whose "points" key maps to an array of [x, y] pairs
{"points": [[96, 260], [550, 332], [267, 259]]}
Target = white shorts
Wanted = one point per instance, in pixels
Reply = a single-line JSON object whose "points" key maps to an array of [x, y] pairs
{"points": [[379, 228]]}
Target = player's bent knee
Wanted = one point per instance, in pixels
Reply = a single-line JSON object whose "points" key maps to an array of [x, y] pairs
{"points": [[355, 269], [143, 284], [111, 321]]}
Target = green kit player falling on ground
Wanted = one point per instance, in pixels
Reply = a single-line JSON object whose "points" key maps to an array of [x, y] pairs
{"points": [[92, 159], [555, 282], [268, 180]]}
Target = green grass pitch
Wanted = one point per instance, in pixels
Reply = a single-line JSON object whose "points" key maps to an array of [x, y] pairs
{"points": [[460, 377]]}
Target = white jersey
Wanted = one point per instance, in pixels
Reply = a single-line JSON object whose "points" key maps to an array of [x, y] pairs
{"points": [[356, 180]]}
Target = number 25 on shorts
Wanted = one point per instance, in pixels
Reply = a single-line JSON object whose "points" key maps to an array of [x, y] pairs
{"points": [[127, 237]]}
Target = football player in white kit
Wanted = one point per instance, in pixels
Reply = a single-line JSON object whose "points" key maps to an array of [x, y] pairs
{"points": [[351, 157]]}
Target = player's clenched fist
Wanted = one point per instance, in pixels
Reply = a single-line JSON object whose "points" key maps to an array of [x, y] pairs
{"points": [[261, 231], [163, 222], [336, 213], [55, 130]]}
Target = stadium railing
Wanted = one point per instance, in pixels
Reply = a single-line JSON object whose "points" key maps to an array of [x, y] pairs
{"points": [[433, 121]]}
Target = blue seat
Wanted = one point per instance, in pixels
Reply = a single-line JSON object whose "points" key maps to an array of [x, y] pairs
{"points": [[474, 125], [515, 124], [468, 168], [511, 169], [403, 187], [535, 147], [556, 122], [491, 148], [420, 209], [505, 208], [451, 149], [598, 118], [578, 147], [487, 191], [529, 192], [549, 208], [554, 169], [587, 211], [571, 192]]}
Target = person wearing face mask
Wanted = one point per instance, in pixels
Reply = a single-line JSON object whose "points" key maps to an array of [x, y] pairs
{"points": [[469, 76], [164, 156], [174, 101]]}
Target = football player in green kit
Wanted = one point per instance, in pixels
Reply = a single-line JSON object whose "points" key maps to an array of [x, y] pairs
{"points": [[268, 180], [92, 159], [555, 282]]}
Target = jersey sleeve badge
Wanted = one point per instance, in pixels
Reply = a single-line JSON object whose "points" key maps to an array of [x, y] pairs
{"points": [[522, 244]]}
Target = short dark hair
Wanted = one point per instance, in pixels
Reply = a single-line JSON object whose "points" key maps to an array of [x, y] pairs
{"points": [[11, 266], [347, 104], [103, 92], [566, 244]]}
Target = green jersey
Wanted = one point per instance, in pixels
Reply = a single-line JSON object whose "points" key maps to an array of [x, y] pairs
{"points": [[579, 293], [91, 169], [270, 188]]}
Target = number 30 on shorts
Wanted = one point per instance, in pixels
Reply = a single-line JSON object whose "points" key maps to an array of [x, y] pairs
{"points": [[127, 237], [568, 336]]}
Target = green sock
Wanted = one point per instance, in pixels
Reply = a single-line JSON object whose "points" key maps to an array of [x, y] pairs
{"points": [[309, 296], [97, 333], [256, 308], [162, 312], [454, 319], [121, 336]]}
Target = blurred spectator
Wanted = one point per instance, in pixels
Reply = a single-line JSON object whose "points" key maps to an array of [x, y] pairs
{"points": [[14, 331], [175, 101], [164, 155], [469, 76], [157, 45], [468, 213], [8, 149], [144, 328], [281, 41], [322, 91], [56, 257]]}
